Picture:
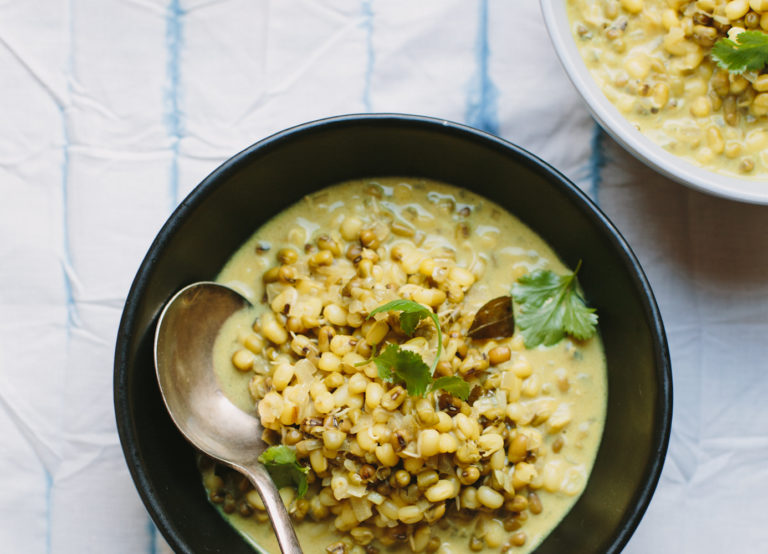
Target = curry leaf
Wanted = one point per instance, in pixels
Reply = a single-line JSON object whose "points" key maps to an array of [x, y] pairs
{"points": [[494, 320]]}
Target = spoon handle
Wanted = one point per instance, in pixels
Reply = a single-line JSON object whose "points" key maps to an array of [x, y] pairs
{"points": [[278, 515]]}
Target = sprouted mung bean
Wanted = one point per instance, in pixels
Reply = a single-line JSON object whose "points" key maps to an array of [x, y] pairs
{"points": [[390, 472], [652, 59]]}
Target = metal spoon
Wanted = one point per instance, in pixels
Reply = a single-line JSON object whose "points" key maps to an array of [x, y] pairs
{"points": [[184, 341]]}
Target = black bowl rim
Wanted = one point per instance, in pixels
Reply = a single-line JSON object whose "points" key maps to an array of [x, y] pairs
{"points": [[126, 429]]}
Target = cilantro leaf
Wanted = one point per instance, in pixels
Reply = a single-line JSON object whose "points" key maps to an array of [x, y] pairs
{"points": [[386, 361], [398, 364], [284, 469], [410, 314], [551, 307], [749, 52], [457, 386], [409, 321]]}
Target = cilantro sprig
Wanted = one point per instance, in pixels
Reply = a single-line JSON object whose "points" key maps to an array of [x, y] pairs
{"points": [[398, 364], [454, 385], [410, 314], [284, 468], [551, 307], [749, 52]]}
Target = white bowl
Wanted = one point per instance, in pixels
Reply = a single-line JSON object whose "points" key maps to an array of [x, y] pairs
{"points": [[609, 117]]}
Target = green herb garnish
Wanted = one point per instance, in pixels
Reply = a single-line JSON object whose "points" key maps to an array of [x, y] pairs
{"points": [[551, 307], [396, 363], [749, 52], [410, 314], [284, 469], [406, 366], [457, 386]]}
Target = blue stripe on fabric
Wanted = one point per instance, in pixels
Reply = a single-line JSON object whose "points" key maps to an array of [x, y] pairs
{"points": [[66, 262], [481, 102], [596, 162], [367, 9], [66, 250], [66, 253], [48, 504], [173, 38], [173, 41], [152, 530]]}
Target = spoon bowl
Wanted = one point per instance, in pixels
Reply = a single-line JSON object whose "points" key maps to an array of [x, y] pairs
{"points": [[184, 339]]}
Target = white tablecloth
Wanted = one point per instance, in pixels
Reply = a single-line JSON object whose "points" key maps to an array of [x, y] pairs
{"points": [[112, 110]]}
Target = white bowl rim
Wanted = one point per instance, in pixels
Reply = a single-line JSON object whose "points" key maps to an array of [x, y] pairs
{"points": [[753, 191]]}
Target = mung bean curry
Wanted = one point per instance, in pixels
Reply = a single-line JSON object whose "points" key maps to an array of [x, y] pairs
{"points": [[691, 75], [429, 377]]}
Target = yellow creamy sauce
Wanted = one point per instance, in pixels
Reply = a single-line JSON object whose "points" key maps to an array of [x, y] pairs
{"points": [[489, 236], [651, 59]]}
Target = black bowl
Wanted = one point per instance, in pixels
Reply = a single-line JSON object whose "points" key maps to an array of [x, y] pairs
{"points": [[231, 203]]}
